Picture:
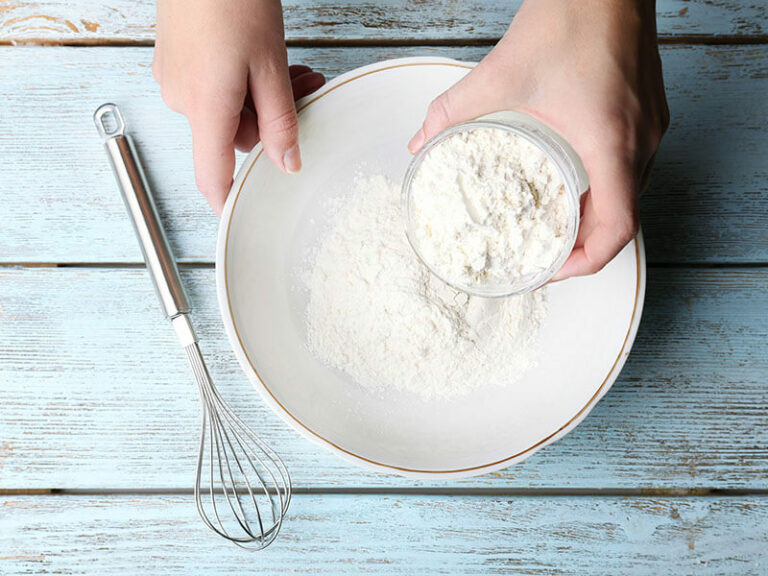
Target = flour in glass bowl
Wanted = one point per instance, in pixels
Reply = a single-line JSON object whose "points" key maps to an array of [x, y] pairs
{"points": [[488, 208], [376, 313]]}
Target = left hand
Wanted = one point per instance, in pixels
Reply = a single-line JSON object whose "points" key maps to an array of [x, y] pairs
{"points": [[224, 66]]}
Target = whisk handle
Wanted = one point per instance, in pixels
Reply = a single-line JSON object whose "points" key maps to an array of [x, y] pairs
{"points": [[141, 207]]}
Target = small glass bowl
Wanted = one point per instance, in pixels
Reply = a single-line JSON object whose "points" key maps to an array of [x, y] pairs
{"points": [[566, 161]]}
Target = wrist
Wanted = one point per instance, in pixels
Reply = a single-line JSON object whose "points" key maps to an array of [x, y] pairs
{"points": [[634, 17]]}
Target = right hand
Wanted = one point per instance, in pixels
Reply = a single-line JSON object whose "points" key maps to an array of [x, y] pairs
{"points": [[591, 71], [224, 66]]}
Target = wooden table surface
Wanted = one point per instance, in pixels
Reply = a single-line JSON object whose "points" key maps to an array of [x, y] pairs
{"points": [[99, 413]]}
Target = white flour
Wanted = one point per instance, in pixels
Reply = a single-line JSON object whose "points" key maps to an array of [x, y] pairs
{"points": [[488, 207], [377, 314]]}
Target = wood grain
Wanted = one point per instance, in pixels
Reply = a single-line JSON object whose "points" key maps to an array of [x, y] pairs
{"points": [[127, 21], [708, 201], [401, 535], [96, 393]]}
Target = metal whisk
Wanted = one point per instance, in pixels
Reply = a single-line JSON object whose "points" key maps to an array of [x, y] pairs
{"points": [[242, 488]]}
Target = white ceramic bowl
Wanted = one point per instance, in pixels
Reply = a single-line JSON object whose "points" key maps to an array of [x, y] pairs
{"points": [[362, 121]]}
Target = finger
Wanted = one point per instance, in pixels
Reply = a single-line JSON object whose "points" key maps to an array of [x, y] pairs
{"points": [[588, 221], [599, 248], [301, 84], [610, 216], [307, 83], [247, 135], [248, 131], [276, 114], [295, 70], [469, 98], [213, 135]]}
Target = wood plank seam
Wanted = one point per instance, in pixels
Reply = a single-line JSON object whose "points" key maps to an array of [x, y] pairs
{"points": [[420, 491], [384, 42]]}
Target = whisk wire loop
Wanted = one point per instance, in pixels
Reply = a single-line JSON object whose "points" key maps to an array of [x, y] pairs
{"points": [[242, 471]]}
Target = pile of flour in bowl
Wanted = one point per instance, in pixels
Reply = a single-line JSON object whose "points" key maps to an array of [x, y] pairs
{"points": [[376, 313], [487, 208]]}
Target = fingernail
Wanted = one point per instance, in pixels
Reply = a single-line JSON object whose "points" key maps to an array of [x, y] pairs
{"points": [[292, 159], [417, 141]]}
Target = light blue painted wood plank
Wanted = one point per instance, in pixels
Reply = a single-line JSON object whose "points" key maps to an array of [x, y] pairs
{"points": [[95, 392], [133, 21], [708, 201], [708, 196], [392, 535]]}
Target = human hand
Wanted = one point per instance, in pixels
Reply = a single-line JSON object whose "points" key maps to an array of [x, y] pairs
{"points": [[224, 66], [591, 71]]}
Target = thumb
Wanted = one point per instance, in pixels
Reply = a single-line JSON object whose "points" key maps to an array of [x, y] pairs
{"points": [[470, 97], [276, 113]]}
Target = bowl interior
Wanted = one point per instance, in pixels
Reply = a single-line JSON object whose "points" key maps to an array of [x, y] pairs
{"points": [[270, 226]]}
